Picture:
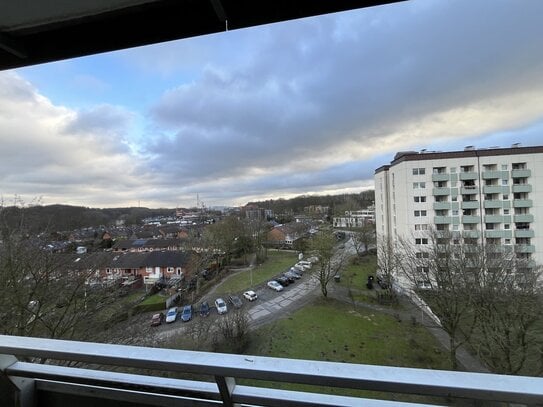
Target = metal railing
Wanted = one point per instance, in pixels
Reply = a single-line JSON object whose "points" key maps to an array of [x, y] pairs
{"points": [[31, 380]]}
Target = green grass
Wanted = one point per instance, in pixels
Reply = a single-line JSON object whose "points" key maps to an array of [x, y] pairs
{"points": [[277, 262], [333, 331], [154, 299]]}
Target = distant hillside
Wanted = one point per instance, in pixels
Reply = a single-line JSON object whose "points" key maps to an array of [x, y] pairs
{"points": [[338, 203], [54, 218]]}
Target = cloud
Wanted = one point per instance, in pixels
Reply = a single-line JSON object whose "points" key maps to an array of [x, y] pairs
{"points": [[334, 91], [305, 106], [60, 154]]}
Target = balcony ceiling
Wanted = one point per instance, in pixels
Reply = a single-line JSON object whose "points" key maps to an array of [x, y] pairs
{"points": [[34, 32]]}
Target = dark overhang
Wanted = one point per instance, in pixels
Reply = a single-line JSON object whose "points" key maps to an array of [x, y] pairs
{"points": [[50, 30]]}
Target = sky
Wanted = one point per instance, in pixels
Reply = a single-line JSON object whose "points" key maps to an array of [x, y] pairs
{"points": [[309, 106]]}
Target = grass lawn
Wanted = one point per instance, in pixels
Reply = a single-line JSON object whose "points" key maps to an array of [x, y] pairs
{"points": [[356, 276], [154, 299], [333, 331], [277, 262]]}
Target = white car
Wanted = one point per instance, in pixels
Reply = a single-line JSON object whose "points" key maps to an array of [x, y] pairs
{"points": [[220, 304], [305, 263], [302, 266], [171, 316], [250, 295], [274, 285]]}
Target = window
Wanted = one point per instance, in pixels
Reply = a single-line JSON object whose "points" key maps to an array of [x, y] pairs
{"points": [[454, 198], [169, 269], [421, 240], [455, 212], [507, 241], [108, 271], [421, 226], [419, 199], [505, 197], [507, 226], [439, 170], [422, 255], [506, 211], [505, 182], [417, 185], [419, 171], [420, 213]]}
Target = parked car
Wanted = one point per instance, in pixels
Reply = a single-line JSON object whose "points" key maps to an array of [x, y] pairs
{"points": [[235, 301], [292, 274], [305, 263], [298, 271], [204, 309], [171, 316], [157, 319], [289, 278], [250, 295], [186, 314], [283, 281], [302, 265], [274, 285], [221, 306]]}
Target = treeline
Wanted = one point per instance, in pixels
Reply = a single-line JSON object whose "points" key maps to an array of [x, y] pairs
{"points": [[65, 217], [338, 203]]}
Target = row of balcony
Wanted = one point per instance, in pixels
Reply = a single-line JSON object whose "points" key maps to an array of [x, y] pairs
{"points": [[486, 189], [469, 176], [504, 234]]}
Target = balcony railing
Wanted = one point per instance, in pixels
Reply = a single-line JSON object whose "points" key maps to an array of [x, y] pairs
{"points": [[36, 380]]}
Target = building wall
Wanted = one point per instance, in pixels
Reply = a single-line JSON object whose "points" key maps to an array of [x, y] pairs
{"points": [[477, 195]]}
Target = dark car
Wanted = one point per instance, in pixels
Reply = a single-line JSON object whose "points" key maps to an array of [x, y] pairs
{"points": [[283, 281], [186, 314], [204, 309], [235, 301], [291, 279], [157, 319]]}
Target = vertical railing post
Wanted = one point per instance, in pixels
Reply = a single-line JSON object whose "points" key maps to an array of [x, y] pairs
{"points": [[23, 388], [226, 387]]}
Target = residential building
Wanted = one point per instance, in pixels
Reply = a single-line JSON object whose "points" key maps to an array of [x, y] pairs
{"points": [[355, 219], [483, 196]]}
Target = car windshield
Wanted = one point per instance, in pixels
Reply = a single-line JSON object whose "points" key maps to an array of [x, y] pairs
{"points": [[171, 312], [220, 304]]}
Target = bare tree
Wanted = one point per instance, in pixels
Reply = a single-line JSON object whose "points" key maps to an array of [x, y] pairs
{"points": [[438, 268], [363, 238], [330, 261], [507, 302]]}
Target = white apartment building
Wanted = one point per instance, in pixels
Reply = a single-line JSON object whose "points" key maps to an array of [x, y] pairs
{"points": [[492, 195], [355, 219]]}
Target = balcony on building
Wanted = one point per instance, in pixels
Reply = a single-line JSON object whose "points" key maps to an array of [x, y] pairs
{"points": [[499, 233], [438, 206], [497, 218], [523, 218], [528, 233], [446, 220], [471, 204], [471, 234], [468, 175], [471, 219], [495, 174], [439, 177], [521, 188], [441, 191], [521, 173], [522, 203], [524, 248], [214, 378], [495, 189], [469, 190]]}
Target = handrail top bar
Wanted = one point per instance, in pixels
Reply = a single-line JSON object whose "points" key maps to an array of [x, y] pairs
{"points": [[275, 369]]}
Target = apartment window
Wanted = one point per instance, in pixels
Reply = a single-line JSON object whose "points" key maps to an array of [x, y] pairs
{"points": [[421, 240], [454, 198], [507, 226], [419, 199], [507, 241], [108, 271], [422, 255], [170, 269], [440, 170], [506, 211], [455, 212], [420, 213], [419, 171], [421, 226], [417, 185], [518, 166], [505, 182], [505, 197]]}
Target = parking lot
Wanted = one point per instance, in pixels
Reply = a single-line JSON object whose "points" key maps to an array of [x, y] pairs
{"points": [[269, 305]]}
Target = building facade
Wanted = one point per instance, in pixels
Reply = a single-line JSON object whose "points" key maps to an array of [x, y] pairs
{"points": [[484, 196]]}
